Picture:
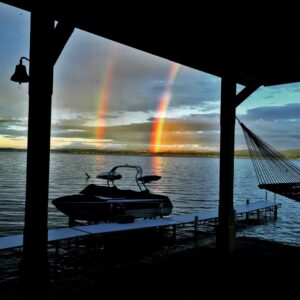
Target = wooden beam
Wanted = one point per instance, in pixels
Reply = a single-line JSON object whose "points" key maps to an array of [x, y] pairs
{"points": [[226, 227], [245, 93], [34, 263], [62, 33]]}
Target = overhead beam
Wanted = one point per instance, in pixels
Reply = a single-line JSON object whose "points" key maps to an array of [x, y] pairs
{"points": [[62, 33], [245, 93], [226, 227]]}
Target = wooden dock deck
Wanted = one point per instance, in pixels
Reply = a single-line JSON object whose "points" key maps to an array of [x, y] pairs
{"points": [[55, 235]]}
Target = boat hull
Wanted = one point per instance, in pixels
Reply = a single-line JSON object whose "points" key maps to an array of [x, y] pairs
{"points": [[98, 208]]}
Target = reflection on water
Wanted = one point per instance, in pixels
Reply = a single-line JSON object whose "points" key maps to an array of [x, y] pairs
{"points": [[190, 182], [158, 167], [157, 164]]}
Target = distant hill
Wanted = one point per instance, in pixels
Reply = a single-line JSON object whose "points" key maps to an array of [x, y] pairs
{"points": [[241, 153], [138, 152], [291, 154], [12, 149], [295, 153]]}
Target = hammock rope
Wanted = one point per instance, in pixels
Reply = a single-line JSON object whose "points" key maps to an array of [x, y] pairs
{"points": [[274, 171]]}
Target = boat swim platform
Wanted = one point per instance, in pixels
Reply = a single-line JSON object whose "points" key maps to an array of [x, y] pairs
{"points": [[196, 218]]}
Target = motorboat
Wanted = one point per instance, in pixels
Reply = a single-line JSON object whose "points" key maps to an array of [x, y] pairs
{"points": [[110, 203]]}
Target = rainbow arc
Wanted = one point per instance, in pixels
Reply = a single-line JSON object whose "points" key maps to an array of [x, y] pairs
{"points": [[158, 124]]}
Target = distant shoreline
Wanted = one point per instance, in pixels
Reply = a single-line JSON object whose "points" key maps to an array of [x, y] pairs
{"points": [[120, 152], [291, 154]]}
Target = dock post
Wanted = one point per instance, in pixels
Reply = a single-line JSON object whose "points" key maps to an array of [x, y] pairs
{"points": [[196, 230], [247, 214], [275, 212], [56, 249], [174, 232], [110, 215], [161, 208]]}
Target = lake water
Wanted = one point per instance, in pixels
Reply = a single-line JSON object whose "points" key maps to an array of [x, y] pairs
{"points": [[191, 183]]}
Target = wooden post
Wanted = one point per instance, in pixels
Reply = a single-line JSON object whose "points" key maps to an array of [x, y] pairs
{"points": [[196, 230], [34, 263], [247, 214], [226, 227], [174, 232], [161, 207]]}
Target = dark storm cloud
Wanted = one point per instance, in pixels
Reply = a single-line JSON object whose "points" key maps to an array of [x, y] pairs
{"points": [[8, 132], [138, 80], [69, 124], [210, 117], [11, 127], [190, 88], [279, 126], [175, 129], [270, 113]]}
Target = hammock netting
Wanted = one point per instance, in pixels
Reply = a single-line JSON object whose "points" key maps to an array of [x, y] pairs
{"points": [[274, 171]]}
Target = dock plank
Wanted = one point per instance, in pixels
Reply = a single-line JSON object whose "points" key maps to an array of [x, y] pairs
{"points": [[117, 227], [15, 241], [63, 234], [258, 205], [11, 241]]}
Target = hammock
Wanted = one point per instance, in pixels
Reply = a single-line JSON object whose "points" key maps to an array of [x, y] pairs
{"points": [[274, 171]]}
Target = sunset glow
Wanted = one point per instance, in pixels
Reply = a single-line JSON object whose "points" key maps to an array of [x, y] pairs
{"points": [[158, 124]]}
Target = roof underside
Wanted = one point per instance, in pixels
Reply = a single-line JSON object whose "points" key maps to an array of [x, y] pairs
{"points": [[251, 58]]}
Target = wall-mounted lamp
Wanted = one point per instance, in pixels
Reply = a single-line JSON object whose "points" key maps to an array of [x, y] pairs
{"points": [[20, 74]]}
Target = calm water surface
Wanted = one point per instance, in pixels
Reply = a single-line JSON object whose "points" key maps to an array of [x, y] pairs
{"points": [[190, 182]]}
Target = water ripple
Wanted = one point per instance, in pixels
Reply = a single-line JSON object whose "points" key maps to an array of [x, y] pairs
{"points": [[191, 183]]}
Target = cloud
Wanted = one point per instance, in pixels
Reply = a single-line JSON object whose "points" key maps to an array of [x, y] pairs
{"points": [[279, 126], [13, 132], [12, 127], [270, 113], [202, 130], [138, 82]]}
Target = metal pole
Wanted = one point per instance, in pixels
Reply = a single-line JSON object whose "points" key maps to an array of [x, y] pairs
{"points": [[226, 227], [34, 263]]}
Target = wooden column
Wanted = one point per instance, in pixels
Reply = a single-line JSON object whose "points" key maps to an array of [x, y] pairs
{"points": [[34, 263], [226, 228]]}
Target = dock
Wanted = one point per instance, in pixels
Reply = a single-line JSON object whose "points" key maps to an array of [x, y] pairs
{"points": [[197, 218]]}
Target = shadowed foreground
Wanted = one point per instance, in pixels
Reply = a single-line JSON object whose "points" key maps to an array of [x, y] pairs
{"points": [[258, 267]]}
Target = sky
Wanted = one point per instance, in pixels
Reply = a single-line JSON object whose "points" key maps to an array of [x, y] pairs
{"points": [[110, 96]]}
